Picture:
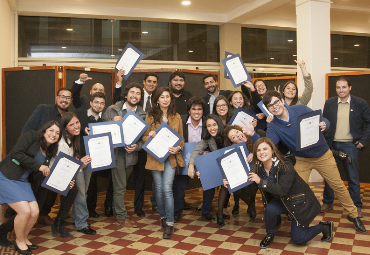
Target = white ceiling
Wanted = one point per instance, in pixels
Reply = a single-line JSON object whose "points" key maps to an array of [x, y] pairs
{"points": [[347, 16]]}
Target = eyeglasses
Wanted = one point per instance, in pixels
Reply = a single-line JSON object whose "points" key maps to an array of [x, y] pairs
{"points": [[221, 105], [276, 103], [65, 97], [260, 85]]}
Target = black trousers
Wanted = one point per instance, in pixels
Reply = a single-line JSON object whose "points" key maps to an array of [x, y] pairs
{"points": [[92, 192]]}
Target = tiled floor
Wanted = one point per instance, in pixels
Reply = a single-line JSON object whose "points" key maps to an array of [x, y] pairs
{"points": [[194, 235]]}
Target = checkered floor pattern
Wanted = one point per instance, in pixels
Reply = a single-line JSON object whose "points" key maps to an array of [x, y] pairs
{"points": [[195, 235]]}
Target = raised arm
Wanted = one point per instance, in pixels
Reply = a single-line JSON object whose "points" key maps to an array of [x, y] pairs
{"points": [[308, 86], [76, 90]]}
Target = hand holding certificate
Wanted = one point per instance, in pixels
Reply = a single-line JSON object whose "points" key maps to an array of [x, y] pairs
{"points": [[308, 130], [242, 115], [165, 138], [264, 108], [63, 171], [100, 149], [236, 70], [128, 60], [112, 127]]}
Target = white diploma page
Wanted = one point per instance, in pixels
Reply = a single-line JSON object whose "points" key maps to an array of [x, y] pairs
{"points": [[310, 131], [161, 142], [244, 155], [242, 116], [62, 174], [236, 70], [100, 152], [234, 170], [113, 129], [128, 60], [131, 127], [264, 107]]}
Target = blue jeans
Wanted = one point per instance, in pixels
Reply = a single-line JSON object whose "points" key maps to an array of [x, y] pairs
{"points": [[163, 181], [298, 234], [180, 184], [207, 200], [80, 213], [351, 171]]}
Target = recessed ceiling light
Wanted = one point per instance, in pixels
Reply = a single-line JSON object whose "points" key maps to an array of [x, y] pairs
{"points": [[144, 32], [69, 29], [272, 58], [120, 50], [64, 47], [190, 51], [290, 40], [335, 58], [294, 55], [186, 2], [356, 45], [112, 55]]}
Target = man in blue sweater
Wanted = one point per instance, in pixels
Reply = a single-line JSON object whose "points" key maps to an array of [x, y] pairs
{"points": [[283, 128]]}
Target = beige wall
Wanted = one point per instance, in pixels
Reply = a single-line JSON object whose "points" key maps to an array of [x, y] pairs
{"points": [[5, 45]]}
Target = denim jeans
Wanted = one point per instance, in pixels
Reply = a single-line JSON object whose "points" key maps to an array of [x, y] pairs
{"points": [[351, 171], [207, 200], [80, 213], [163, 181], [298, 234]]}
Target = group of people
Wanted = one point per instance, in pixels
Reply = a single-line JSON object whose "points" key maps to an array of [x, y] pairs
{"points": [[280, 171]]}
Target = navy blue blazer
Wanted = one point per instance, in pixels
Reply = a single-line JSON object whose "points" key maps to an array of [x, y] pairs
{"points": [[359, 119]]}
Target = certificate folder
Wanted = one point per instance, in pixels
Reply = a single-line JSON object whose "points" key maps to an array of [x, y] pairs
{"points": [[264, 108], [243, 115], [239, 63], [163, 125], [245, 167], [112, 126], [186, 152], [210, 173], [321, 140], [67, 159], [134, 122], [136, 56], [100, 141]]}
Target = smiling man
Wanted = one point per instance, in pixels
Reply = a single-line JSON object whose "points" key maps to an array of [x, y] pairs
{"points": [[283, 128], [211, 85], [177, 84], [349, 132], [127, 156]]}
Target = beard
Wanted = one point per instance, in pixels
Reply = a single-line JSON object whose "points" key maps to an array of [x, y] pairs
{"points": [[211, 89], [177, 91]]}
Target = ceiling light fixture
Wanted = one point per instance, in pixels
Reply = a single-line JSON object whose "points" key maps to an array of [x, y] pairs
{"points": [[64, 47], [335, 58], [290, 40], [186, 2], [144, 32], [356, 45], [120, 50], [190, 51], [112, 55], [294, 55], [272, 58], [69, 29]]}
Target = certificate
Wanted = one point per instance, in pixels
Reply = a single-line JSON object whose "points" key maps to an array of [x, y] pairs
{"points": [[100, 149], [236, 70], [133, 127], [112, 127], [158, 146], [186, 152], [235, 169], [242, 115], [227, 55], [308, 130], [63, 171], [264, 108], [128, 60]]}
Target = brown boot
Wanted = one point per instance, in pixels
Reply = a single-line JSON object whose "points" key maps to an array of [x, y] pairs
{"points": [[46, 220], [127, 223], [168, 232], [325, 208]]}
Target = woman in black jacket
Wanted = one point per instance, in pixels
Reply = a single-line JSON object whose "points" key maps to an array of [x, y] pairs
{"points": [[32, 153]]}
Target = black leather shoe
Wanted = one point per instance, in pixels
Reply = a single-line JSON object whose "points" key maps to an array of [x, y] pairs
{"points": [[168, 232], [235, 210], [208, 216], [108, 211], [359, 226], [227, 216], [278, 222], [269, 239], [87, 231], [93, 214], [186, 206], [154, 208], [139, 213], [327, 231], [252, 214], [220, 221], [28, 251], [177, 217], [32, 247]]}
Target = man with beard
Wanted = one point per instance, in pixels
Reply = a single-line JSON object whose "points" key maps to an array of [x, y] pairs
{"points": [[40, 116], [126, 157], [211, 85], [177, 84]]}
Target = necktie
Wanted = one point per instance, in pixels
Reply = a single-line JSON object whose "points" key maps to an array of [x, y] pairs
{"points": [[148, 105]]}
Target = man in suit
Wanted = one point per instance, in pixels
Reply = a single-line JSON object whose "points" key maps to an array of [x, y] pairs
{"points": [[193, 129], [211, 85], [177, 83], [349, 132]]}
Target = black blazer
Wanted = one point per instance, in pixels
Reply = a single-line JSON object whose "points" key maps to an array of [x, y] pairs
{"points": [[359, 119], [206, 98], [185, 131], [21, 157]]}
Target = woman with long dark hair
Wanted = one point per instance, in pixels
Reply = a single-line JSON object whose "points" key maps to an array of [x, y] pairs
{"points": [[70, 145], [221, 109], [163, 110], [31, 153]]}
